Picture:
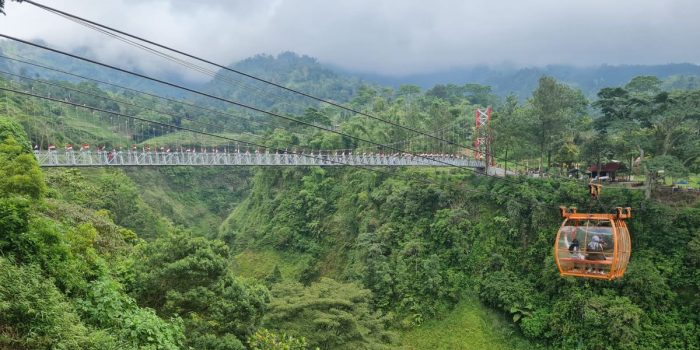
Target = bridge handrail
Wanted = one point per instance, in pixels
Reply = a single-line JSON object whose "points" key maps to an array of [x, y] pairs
{"points": [[84, 158]]}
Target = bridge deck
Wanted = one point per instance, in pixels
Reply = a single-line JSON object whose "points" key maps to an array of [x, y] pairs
{"points": [[54, 158]]}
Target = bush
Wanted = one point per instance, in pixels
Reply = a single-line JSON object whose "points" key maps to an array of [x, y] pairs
{"points": [[331, 315], [186, 275], [107, 306], [264, 339], [34, 314], [19, 171]]}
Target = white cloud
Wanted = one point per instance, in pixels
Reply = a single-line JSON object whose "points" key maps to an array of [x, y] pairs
{"points": [[387, 36]]}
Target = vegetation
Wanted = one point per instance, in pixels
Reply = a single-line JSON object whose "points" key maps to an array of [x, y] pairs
{"points": [[333, 258], [468, 326]]}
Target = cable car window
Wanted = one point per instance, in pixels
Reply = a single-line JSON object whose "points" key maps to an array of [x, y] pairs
{"points": [[586, 246], [593, 245]]}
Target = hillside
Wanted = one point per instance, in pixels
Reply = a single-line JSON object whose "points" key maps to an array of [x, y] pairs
{"points": [[344, 258], [307, 74], [522, 81], [299, 72], [54, 60]]}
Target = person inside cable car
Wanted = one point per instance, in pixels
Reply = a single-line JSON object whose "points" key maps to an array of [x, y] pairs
{"points": [[595, 252], [574, 246]]}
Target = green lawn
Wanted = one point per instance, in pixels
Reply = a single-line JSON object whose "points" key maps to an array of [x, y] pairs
{"points": [[469, 326], [692, 179]]}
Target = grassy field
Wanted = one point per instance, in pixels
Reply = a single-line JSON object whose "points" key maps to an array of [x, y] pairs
{"points": [[693, 181], [469, 326]]}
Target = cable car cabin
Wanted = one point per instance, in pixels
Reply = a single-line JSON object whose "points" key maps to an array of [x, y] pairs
{"points": [[593, 245]]}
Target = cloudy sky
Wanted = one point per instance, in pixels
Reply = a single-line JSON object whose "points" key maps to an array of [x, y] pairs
{"points": [[394, 37]]}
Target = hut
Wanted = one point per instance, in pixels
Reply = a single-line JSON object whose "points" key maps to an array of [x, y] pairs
{"points": [[607, 171]]}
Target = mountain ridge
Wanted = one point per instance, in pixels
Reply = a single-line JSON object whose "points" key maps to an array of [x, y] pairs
{"points": [[522, 81], [310, 75]]}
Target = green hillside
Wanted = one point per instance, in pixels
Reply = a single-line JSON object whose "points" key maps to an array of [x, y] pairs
{"points": [[346, 258], [299, 72], [522, 81]]}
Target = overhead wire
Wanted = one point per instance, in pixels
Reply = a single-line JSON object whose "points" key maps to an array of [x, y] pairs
{"points": [[481, 192], [123, 115], [122, 102], [190, 65], [256, 109], [141, 92], [255, 122], [104, 29], [118, 101]]}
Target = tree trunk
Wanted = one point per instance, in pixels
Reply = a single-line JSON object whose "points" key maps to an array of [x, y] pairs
{"points": [[541, 157], [650, 179], [667, 144], [648, 183], [629, 176]]}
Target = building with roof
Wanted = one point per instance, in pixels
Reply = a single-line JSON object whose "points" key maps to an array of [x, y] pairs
{"points": [[607, 171]]}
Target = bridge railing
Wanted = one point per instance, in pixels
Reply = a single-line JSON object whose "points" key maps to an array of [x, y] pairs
{"points": [[56, 158]]}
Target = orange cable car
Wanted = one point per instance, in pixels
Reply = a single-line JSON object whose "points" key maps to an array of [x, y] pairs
{"points": [[593, 245]]}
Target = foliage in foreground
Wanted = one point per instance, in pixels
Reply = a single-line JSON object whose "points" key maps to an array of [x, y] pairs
{"points": [[330, 314], [56, 289], [420, 248]]}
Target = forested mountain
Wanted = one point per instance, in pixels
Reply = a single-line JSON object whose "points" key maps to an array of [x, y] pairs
{"points": [[299, 72], [343, 258], [15, 51], [307, 74], [522, 81]]}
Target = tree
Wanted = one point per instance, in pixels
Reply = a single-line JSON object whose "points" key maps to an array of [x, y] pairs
{"points": [[568, 154], [556, 108], [644, 84], [264, 339], [331, 315], [657, 124], [591, 321], [662, 166], [34, 314], [10, 128], [512, 131], [19, 170], [106, 305], [185, 275]]}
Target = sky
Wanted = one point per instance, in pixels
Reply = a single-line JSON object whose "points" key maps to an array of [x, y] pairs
{"points": [[389, 37]]}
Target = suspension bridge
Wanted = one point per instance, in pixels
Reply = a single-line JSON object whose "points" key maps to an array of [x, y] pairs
{"points": [[130, 158], [436, 148]]}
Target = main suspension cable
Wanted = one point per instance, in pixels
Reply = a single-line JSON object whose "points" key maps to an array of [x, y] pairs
{"points": [[277, 115]]}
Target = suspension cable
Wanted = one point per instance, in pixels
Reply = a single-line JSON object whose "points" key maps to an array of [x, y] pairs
{"points": [[277, 115], [182, 128], [103, 28]]}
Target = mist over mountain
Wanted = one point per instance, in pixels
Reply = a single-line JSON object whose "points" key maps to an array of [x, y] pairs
{"points": [[15, 53], [299, 72], [307, 74], [522, 81]]}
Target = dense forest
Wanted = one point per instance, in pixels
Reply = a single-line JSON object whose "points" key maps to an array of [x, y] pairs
{"points": [[344, 258], [521, 82]]}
